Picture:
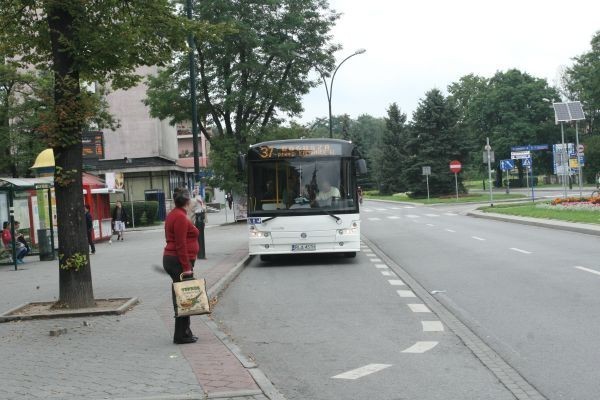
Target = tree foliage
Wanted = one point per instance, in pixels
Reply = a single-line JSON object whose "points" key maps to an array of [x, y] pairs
{"points": [[96, 41], [253, 75], [582, 82], [391, 158]]}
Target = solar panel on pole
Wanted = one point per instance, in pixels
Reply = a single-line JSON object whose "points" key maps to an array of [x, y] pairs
{"points": [[576, 111], [561, 112]]}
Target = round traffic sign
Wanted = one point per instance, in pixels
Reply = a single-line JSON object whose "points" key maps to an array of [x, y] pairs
{"points": [[455, 166]]}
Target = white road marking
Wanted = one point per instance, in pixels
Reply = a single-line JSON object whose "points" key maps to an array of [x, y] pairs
{"points": [[362, 371], [396, 208], [591, 271], [381, 266], [367, 210], [412, 216], [396, 282], [380, 209], [449, 230], [431, 215], [430, 225], [405, 293], [375, 219], [420, 347], [478, 238], [386, 273], [418, 308], [432, 326], [409, 207], [393, 217], [450, 214], [375, 260], [520, 250]]}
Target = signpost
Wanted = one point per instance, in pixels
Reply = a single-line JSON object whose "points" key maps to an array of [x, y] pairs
{"points": [[489, 159], [520, 153], [427, 172], [455, 167], [507, 165]]}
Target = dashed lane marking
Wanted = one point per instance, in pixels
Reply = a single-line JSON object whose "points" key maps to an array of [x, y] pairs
{"points": [[405, 293], [591, 271], [367, 210], [450, 214], [386, 273], [478, 238], [381, 266], [420, 347], [450, 230], [412, 216], [396, 282], [520, 250], [430, 225], [375, 260], [408, 207], [393, 217], [374, 219], [395, 208], [432, 326], [380, 209], [418, 308], [431, 215], [362, 371]]}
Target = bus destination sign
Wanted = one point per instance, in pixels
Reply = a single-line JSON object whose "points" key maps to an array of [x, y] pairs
{"points": [[299, 150]]}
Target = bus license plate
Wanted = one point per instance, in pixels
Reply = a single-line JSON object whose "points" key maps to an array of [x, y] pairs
{"points": [[304, 247]]}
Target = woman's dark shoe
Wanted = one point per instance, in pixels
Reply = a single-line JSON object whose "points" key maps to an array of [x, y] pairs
{"points": [[185, 340]]}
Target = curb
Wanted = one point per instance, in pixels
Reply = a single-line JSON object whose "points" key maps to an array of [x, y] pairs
{"points": [[259, 377], [558, 225]]}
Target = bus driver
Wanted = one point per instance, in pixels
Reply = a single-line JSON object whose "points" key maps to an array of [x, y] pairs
{"points": [[327, 193]]}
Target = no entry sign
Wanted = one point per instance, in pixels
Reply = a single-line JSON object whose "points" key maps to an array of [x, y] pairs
{"points": [[455, 166]]}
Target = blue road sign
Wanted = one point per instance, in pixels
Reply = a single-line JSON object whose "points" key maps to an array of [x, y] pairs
{"points": [[507, 165], [530, 147], [527, 162]]}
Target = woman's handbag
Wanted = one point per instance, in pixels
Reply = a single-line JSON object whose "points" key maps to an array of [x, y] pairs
{"points": [[190, 297]]}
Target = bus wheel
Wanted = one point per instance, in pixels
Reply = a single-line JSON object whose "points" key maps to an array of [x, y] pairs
{"points": [[350, 254], [266, 258]]}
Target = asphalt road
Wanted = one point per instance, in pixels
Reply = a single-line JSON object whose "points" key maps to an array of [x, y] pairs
{"points": [[532, 294], [308, 320]]}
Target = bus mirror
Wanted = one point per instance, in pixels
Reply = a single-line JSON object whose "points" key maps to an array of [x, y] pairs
{"points": [[241, 162], [361, 166]]}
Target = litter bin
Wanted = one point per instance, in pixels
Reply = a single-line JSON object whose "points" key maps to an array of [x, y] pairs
{"points": [[45, 245]]}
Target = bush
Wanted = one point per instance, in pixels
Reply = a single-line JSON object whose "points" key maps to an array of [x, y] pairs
{"points": [[144, 212]]}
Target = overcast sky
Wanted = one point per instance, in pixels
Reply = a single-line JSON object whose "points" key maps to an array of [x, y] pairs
{"points": [[414, 46]]}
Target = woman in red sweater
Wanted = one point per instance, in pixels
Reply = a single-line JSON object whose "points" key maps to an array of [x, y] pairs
{"points": [[180, 254]]}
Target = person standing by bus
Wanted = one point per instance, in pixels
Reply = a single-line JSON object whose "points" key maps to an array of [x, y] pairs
{"points": [[180, 254], [119, 219]]}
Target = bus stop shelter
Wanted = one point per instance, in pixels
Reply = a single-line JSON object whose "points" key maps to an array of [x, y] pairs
{"points": [[30, 200]]}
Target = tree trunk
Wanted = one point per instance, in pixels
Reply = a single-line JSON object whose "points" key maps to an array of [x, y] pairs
{"points": [[75, 278]]}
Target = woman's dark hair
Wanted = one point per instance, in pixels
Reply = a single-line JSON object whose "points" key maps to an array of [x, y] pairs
{"points": [[181, 196], [5, 225]]}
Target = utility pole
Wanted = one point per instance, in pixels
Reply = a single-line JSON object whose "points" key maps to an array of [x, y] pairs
{"points": [[191, 56]]}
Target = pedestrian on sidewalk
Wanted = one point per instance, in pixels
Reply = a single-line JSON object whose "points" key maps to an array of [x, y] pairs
{"points": [[229, 199], [180, 254], [90, 227], [119, 219]]}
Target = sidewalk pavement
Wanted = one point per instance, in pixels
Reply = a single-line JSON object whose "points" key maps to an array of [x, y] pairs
{"points": [[130, 356]]}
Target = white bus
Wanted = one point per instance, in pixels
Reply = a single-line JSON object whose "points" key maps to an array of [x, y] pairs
{"points": [[302, 197]]}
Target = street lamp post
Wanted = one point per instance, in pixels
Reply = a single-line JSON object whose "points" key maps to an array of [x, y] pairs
{"points": [[329, 90]]}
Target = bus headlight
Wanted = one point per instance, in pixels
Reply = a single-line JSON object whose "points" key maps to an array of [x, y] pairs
{"points": [[258, 234]]}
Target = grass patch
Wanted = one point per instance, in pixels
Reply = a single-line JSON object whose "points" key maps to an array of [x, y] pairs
{"points": [[543, 210], [469, 198]]}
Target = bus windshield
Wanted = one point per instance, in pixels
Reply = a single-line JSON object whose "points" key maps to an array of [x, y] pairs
{"points": [[302, 186]]}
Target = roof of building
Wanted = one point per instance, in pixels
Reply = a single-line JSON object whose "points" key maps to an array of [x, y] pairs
{"points": [[128, 164]]}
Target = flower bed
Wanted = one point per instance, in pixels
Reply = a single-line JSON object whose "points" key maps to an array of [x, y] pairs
{"points": [[579, 203]]}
